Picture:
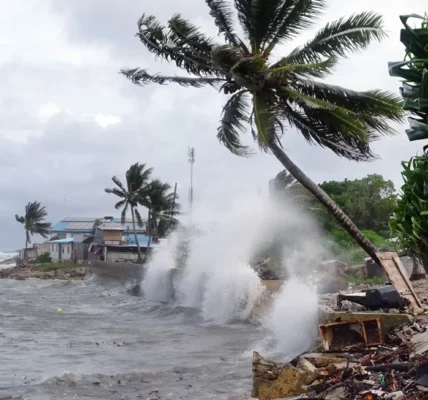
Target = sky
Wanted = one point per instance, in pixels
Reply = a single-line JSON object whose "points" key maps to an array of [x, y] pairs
{"points": [[70, 121]]}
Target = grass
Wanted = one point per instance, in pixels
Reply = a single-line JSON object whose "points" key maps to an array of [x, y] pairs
{"points": [[46, 267], [366, 281]]}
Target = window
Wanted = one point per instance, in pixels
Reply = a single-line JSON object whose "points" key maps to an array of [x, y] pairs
{"points": [[63, 250], [52, 248], [68, 249]]}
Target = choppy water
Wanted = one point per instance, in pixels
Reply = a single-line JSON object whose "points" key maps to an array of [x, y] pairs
{"points": [[106, 344]]}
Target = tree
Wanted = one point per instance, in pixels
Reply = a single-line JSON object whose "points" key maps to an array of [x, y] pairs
{"points": [[34, 222], [284, 187], [137, 187], [96, 224], [413, 71], [286, 92], [163, 208], [410, 219], [369, 202]]}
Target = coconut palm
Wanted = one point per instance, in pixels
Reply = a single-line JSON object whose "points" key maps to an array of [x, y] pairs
{"points": [[137, 186], [163, 207], [267, 95], [285, 185], [34, 222]]}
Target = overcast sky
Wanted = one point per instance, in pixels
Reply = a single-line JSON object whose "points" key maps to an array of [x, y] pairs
{"points": [[69, 121]]}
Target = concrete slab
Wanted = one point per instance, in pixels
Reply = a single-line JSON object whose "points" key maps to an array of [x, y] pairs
{"points": [[389, 320]]}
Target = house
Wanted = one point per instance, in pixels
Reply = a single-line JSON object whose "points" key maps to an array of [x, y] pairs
{"points": [[80, 228], [72, 237], [113, 243]]}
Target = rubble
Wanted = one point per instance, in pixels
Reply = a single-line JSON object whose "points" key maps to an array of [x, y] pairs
{"points": [[395, 367]]}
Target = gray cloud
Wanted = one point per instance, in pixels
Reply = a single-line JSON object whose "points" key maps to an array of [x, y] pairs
{"points": [[71, 64]]}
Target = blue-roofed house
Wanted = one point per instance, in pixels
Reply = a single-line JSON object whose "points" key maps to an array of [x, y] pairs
{"points": [[113, 243], [71, 237]]}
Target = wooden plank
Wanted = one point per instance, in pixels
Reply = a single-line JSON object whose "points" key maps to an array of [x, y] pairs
{"points": [[391, 264]]}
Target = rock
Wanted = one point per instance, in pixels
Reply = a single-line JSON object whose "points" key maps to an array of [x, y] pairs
{"points": [[78, 272], [60, 274], [48, 275], [337, 393], [272, 380]]}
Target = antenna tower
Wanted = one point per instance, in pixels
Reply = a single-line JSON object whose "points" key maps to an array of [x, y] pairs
{"points": [[191, 157]]}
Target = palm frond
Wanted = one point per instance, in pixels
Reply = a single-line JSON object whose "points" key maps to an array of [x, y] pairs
{"points": [[372, 102], [183, 33], [316, 70], [326, 129], [340, 37], [142, 77], [223, 19], [292, 17], [120, 204], [115, 191], [123, 213], [158, 41], [42, 229], [19, 219], [265, 120], [235, 116], [140, 222]]}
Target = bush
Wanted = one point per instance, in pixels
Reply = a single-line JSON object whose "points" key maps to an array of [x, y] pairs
{"points": [[43, 258]]}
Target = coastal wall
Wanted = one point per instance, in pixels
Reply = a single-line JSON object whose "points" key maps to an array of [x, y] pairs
{"points": [[117, 272]]}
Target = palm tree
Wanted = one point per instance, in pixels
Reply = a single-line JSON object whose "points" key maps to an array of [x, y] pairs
{"points": [[137, 186], [268, 95], [34, 222], [163, 207]]}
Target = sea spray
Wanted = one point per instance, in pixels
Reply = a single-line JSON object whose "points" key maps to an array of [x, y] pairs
{"points": [[157, 284], [293, 319], [217, 277]]}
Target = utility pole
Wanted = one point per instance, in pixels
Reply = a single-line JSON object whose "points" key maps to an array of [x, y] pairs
{"points": [[191, 155]]}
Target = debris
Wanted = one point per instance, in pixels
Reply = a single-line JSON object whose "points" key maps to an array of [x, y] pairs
{"points": [[385, 297], [361, 360], [347, 335], [393, 267]]}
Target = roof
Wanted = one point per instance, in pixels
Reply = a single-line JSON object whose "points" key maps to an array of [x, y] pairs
{"points": [[85, 225], [143, 240], [111, 227], [66, 240]]}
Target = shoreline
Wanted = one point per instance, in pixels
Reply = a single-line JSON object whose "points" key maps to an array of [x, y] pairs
{"points": [[77, 273]]}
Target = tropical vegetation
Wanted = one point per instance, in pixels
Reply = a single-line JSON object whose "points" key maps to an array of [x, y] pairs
{"points": [[369, 201], [136, 187], [269, 92], [414, 73], [410, 220], [34, 222], [141, 190]]}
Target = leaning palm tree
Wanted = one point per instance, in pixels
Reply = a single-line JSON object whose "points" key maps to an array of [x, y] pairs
{"points": [[137, 186], [163, 206], [34, 222], [266, 95]]}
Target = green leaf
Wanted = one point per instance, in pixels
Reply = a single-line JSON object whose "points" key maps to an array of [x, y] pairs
{"points": [[396, 69]]}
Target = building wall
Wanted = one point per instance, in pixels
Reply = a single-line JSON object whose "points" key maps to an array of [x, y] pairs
{"points": [[121, 256], [42, 248], [66, 250]]}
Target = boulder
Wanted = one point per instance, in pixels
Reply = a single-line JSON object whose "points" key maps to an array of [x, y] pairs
{"points": [[272, 380], [48, 275]]}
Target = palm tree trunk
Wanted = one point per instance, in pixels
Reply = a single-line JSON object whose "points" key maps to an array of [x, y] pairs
{"points": [[140, 258], [325, 199], [26, 246], [149, 233]]}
